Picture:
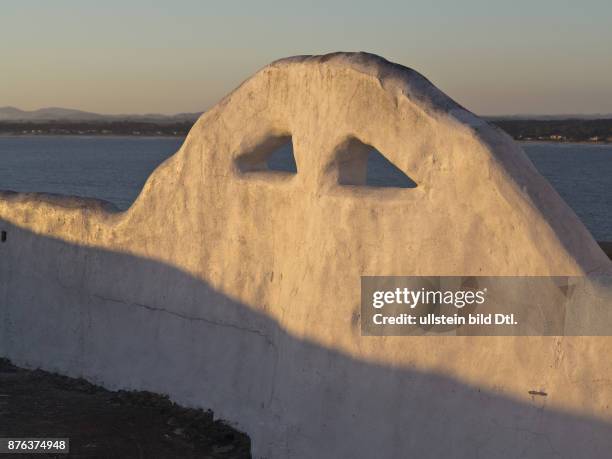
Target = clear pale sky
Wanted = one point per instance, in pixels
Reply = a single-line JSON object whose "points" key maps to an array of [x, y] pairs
{"points": [[132, 56]]}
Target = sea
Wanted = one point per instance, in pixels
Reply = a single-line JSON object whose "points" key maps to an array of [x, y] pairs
{"points": [[115, 169]]}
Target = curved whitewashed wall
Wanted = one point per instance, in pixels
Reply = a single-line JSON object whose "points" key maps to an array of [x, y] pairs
{"points": [[238, 289]]}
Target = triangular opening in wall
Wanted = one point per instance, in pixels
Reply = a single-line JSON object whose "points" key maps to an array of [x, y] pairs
{"points": [[275, 154], [383, 173], [360, 164], [282, 159]]}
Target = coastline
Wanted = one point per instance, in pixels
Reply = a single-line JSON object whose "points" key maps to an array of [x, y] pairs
{"points": [[562, 142], [180, 135], [94, 136]]}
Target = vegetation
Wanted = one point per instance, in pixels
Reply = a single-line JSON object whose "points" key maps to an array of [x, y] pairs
{"points": [[138, 128], [556, 130]]}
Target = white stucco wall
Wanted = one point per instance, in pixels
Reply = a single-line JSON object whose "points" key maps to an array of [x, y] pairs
{"points": [[239, 291]]}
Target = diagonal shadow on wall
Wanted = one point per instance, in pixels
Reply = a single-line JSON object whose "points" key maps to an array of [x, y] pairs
{"points": [[130, 322]]}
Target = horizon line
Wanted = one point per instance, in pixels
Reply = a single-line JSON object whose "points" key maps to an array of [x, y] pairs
{"points": [[566, 115]]}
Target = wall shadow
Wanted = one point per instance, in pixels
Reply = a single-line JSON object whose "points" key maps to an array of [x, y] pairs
{"points": [[130, 322]]}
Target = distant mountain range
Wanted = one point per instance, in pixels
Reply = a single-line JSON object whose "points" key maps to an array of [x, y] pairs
{"points": [[64, 121], [13, 114], [66, 114]]}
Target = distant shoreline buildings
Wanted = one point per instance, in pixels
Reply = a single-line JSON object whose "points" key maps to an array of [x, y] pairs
{"points": [[570, 130], [115, 128]]}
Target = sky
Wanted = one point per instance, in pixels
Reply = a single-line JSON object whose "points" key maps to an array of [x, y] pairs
{"points": [[131, 56]]}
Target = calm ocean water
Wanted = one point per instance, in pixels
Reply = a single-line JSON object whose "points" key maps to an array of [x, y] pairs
{"points": [[115, 169]]}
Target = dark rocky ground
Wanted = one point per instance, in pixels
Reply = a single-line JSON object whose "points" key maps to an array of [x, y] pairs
{"points": [[606, 247], [104, 424]]}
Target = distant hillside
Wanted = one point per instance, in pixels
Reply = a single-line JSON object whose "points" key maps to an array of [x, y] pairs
{"points": [[558, 130], [13, 114], [97, 127], [64, 121], [46, 114]]}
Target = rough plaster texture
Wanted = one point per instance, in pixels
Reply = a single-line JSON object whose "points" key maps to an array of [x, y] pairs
{"points": [[237, 289]]}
